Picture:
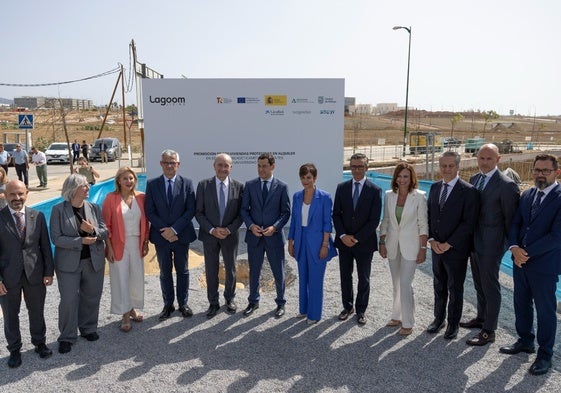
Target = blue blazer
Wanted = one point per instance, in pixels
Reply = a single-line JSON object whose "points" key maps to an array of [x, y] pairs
{"points": [[319, 222], [540, 237], [360, 222], [275, 211], [179, 216]]}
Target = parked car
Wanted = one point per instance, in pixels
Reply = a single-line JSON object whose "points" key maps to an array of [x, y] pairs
{"points": [[451, 141], [10, 147], [113, 149], [58, 152]]}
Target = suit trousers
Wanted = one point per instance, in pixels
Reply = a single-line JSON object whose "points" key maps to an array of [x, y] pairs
{"points": [[485, 271], [23, 173], [34, 296], [174, 255], [449, 276], [80, 294], [403, 271], [275, 255], [534, 288], [5, 166], [212, 248], [311, 272], [347, 256], [127, 279]]}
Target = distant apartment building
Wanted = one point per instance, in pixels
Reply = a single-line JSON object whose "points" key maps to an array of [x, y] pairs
{"points": [[363, 109], [50, 102], [385, 107], [350, 103]]}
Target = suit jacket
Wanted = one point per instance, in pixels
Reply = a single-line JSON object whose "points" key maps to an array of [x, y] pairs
{"points": [[67, 240], [207, 210], [456, 222], [540, 236], [414, 223], [113, 218], [179, 216], [319, 222], [360, 222], [32, 255], [275, 211], [499, 201]]}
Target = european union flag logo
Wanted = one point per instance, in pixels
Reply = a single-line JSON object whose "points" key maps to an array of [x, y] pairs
{"points": [[241, 100]]}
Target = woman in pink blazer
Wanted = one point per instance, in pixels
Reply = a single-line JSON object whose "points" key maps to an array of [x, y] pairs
{"points": [[123, 212], [403, 240]]}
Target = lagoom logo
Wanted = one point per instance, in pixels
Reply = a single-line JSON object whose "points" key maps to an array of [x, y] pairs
{"points": [[163, 101], [327, 112]]}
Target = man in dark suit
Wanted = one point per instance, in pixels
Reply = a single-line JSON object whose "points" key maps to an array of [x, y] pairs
{"points": [[265, 211], [535, 243], [499, 197], [75, 151], [453, 207], [218, 204], [170, 207], [26, 265], [356, 214]]}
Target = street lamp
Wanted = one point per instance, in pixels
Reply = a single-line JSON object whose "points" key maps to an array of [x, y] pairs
{"points": [[407, 86]]}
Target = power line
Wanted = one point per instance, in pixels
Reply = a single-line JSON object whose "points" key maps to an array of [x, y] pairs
{"points": [[113, 71]]}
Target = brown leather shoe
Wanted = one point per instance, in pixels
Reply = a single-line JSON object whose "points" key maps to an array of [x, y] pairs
{"points": [[482, 338], [345, 314]]}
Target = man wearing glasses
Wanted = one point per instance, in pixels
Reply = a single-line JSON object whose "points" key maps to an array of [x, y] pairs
{"points": [[356, 214], [535, 243], [170, 207]]}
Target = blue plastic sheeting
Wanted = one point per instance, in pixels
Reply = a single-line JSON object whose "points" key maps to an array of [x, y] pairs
{"points": [[384, 182]]}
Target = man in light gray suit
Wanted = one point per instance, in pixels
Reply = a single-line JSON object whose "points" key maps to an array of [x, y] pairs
{"points": [[218, 214], [26, 265], [499, 197]]}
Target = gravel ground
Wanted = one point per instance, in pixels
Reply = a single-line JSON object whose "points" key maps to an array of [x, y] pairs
{"points": [[230, 353]]}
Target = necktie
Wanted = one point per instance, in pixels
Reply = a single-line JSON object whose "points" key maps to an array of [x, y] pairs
{"points": [[222, 200], [481, 183], [265, 191], [20, 224], [536, 204], [443, 196], [170, 192], [356, 194]]}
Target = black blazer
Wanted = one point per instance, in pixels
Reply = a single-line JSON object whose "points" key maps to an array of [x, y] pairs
{"points": [[455, 223], [363, 221]]}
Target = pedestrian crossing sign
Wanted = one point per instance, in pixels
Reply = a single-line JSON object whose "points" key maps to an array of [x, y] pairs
{"points": [[25, 122]]}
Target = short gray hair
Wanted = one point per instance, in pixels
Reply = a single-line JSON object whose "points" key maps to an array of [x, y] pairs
{"points": [[171, 153], [71, 184], [451, 153]]}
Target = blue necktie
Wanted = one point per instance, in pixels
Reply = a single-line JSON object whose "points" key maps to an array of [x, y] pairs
{"points": [[170, 192], [443, 196], [265, 191], [222, 201], [356, 194], [481, 182], [536, 204]]}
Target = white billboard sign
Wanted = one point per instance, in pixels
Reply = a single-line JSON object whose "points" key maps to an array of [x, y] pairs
{"points": [[298, 120]]}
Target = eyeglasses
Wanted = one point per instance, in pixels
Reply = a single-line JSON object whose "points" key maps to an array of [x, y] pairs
{"points": [[169, 163], [545, 172], [357, 167]]}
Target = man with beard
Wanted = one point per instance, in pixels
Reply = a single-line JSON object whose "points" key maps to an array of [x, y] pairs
{"points": [[535, 243]]}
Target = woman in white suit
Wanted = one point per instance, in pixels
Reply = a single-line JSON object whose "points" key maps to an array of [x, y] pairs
{"points": [[403, 240]]}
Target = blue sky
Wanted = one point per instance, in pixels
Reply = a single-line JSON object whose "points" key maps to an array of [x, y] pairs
{"points": [[488, 55]]}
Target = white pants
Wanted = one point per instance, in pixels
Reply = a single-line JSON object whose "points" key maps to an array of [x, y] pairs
{"points": [[403, 271], [127, 279]]}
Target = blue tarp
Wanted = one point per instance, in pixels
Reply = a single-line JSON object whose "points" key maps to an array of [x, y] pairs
{"points": [[100, 190]]}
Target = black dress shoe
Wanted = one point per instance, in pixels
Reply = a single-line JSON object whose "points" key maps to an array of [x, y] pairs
{"points": [[15, 359], [517, 347], [361, 318], [540, 366], [482, 338], [345, 314], [91, 336], [64, 347], [43, 351], [231, 307], [186, 311], [166, 312], [251, 307], [451, 331], [435, 326], [279, 312], [212, 310], [472, 324]]}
